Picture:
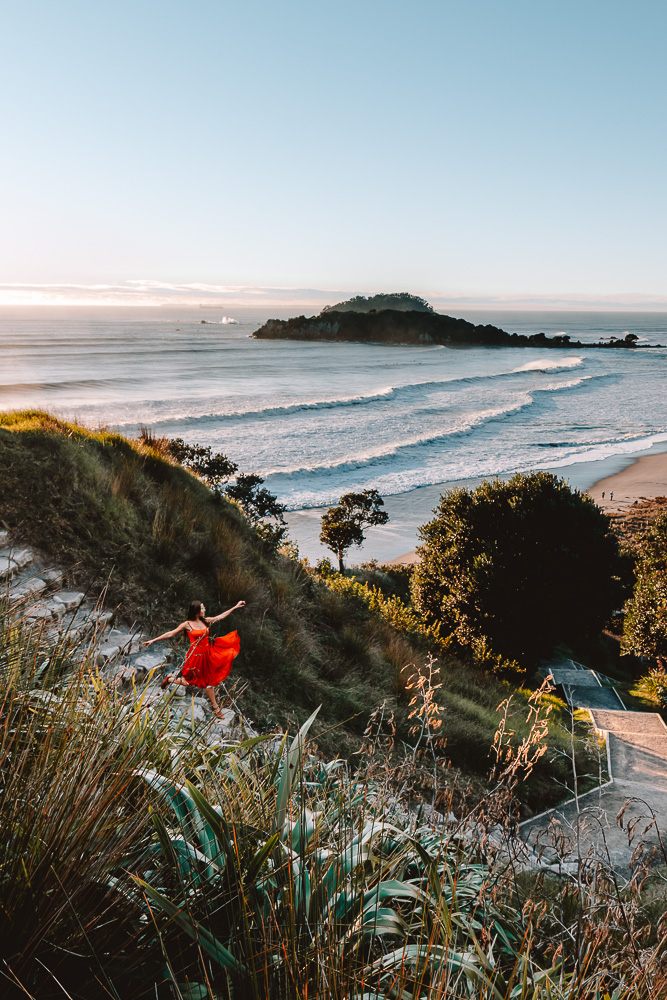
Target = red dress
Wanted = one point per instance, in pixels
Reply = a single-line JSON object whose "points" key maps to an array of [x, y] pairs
{"points": [[208, 662]]}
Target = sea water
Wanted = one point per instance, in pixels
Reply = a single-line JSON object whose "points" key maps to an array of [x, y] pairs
{"points": [[320, 419]]}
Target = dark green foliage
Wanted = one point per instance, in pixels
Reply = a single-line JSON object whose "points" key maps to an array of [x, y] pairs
{"points": [[343, 525], [255, 503], [402, 301], [521, 564], [213, 469], [645, 630], [398, 326]]}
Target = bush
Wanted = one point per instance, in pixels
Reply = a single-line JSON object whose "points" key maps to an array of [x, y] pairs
{"points": [[645, 627], [523, 564]]}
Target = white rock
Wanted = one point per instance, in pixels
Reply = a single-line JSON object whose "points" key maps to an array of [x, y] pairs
{"points": [[4, 537], [131, 642], [52, 577], [150, 660], [70, 599], [45, 611], [227, 717], [7, 567], [22, 557], [26, 589], [109, 651]]}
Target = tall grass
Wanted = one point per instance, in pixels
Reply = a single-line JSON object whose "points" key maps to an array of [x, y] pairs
{"points": [[71, 814], [140, 860]]}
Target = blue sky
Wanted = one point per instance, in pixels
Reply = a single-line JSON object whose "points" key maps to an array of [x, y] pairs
{"points": [[474, 151]]}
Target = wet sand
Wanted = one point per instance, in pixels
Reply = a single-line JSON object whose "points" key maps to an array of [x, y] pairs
{"points": [[645, 479]]}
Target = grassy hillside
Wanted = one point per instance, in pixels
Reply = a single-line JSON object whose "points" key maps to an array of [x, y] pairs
{"points": [[118, 513]]}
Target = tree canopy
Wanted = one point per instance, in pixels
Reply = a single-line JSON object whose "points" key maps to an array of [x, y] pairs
{"points": [[214, 469], [521, 565], [645, 629], [343, 525], [403, 301]]}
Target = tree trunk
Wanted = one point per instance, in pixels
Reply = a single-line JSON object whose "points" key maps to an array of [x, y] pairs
{"points": [[341, 568]]}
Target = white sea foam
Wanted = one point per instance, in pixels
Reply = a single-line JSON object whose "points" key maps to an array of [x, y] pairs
{"points": [[320, 419], [544, 365]]}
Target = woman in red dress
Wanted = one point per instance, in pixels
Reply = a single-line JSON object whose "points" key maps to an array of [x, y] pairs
{"points": [[208, 661]]}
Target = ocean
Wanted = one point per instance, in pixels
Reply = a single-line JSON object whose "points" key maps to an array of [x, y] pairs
{"points": [[321, 419]]}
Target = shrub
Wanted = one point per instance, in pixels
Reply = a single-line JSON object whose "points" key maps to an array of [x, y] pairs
{"points": [[524, 564]]}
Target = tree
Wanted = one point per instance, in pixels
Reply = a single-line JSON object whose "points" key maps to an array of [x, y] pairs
{"points": [[645, 627], [256, 503], [517, 565], [343, 525], [214, 469]]}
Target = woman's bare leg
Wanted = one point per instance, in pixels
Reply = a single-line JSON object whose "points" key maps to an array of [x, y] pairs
{"points": [[210, 691]]}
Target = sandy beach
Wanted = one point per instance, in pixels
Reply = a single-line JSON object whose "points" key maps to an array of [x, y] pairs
{"points": [[628, 477], [645, 479]]}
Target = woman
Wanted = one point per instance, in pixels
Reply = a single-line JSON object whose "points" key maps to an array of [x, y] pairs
{"points": [[208, 661]]}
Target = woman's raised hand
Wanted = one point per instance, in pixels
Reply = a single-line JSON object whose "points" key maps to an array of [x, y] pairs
{"points": [[241, 604]]}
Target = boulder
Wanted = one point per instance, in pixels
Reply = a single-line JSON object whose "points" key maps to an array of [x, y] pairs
{"points": [[150, 660], [22, 557], [52, 577], [70, 599], [27, 589]]}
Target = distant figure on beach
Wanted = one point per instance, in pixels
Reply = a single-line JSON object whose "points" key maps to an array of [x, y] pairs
{"points": [[611, 495], [207, 661], [603, 494]]}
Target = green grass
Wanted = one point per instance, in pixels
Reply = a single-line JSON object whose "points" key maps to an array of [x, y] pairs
{"points": [[139, 861], [120, 514]]}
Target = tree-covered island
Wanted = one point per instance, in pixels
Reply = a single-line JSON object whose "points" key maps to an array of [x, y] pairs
{"points": [[406, 319]]}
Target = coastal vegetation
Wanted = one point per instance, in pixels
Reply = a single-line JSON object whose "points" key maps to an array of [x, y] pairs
{"points": [[343, 525], [139, 860], [645, 622], [517, 567], [362, 845], [402, 301]]}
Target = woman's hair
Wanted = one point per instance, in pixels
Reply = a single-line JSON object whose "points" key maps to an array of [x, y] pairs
{"points": [[195, 611]]}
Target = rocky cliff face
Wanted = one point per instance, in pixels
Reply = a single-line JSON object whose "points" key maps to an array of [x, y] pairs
{"points": [[391, 326]]}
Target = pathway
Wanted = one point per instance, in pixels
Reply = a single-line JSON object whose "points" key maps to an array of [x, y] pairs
{"points": [[36, 591], [637, 765]]}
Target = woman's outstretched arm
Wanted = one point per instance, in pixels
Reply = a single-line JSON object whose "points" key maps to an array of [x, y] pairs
{"points": [[241, 604], [166, 635]]}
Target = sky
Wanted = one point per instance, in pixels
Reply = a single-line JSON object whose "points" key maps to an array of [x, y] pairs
{"points": [[483, 151]]}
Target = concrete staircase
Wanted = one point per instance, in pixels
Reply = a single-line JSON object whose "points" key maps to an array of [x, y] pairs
{"points": [[588, 828], [36, 591]]}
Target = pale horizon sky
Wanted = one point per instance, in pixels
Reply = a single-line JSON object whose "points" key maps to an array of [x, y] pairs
{"points": [[478, 153]]}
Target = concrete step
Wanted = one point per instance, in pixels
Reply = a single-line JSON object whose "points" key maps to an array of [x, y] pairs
{"points": [[629, 722], [119, 643], [595, 698], [13, 560], [24, 591], [575, 678], [70, 599], [45, 611]]}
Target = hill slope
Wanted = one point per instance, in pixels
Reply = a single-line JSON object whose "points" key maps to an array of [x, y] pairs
{"points": [[117, 513]]}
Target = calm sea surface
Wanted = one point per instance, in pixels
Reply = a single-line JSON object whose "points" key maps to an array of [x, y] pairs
{"points": [[317, 420]]}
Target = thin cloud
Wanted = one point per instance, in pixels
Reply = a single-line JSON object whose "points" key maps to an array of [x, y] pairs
{"points": [[150, 292]]}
